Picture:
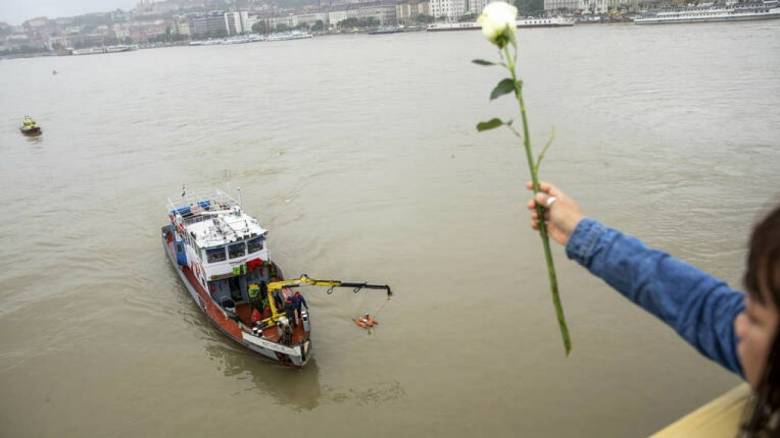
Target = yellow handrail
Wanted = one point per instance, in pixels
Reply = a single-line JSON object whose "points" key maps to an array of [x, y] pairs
{"points": [[718, 418]]}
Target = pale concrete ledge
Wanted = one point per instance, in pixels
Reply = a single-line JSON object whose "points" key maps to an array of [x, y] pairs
{"points": [[718, 418]]}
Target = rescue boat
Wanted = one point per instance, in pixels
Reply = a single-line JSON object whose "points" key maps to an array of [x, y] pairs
{"points": [[30, 127], [220, 254]]}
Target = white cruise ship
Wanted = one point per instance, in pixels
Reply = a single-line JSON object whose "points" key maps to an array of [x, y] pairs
{"points": [[523, 23], [108, 49], [711, 12]]}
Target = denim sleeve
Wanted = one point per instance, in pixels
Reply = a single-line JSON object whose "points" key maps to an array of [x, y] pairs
{"points": [[700, 307]]}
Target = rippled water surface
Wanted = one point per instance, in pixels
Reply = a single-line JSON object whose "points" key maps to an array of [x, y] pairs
{"points": [[359, 154]]}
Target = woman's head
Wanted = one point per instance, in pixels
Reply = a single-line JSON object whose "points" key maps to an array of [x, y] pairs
{"points": [[756, 327], [758, 345]]}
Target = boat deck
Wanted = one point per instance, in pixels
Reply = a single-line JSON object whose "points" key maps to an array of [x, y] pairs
{"points": [[244, 311]]}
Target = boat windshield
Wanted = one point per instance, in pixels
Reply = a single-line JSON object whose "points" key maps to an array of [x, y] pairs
{"points": [[214, 255], [237, 250], [255, 244]]}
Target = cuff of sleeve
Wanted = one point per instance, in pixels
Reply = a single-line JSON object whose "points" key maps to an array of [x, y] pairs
{"points": [[583, 240]]}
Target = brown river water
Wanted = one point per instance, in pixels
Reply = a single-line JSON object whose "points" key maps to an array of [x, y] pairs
{"points": [[359, 154]]}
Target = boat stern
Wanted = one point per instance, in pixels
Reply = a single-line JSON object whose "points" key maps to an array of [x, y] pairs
{"points": [[292, 355]]}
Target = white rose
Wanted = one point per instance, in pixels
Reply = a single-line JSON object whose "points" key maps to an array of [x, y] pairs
{"points": [[498, 21]]}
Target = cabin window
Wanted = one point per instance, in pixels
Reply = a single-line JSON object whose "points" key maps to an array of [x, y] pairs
{"points": [[237, 250], [214, 255], [255, 244]]}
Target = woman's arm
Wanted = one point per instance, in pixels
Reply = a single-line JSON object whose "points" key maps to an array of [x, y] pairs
{"points": [[700, 307]]}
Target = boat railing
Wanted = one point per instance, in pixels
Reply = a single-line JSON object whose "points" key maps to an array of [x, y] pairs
{"points": [[206, 200]]}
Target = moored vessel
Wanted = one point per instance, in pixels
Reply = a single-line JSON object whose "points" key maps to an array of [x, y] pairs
{"points": [[287, 36], [238, 39], [107, 49], [220, 255], [384, 29], [529, 22], [710, 12]]}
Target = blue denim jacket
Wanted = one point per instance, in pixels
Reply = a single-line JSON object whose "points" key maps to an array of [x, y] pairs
{"points": [[700, 307]]}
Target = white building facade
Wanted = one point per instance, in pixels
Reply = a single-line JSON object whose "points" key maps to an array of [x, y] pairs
{"points": [[310, 19], [451, 9], [236, 22], [383, 13], [556, 5], [587, 6], [180, 26], [288, 20], [338, 15], [476, 6], [251, 20], [596, 6], [407, 12]]}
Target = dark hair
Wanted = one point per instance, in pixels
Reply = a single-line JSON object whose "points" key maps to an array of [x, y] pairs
{"points": [[762, 282]]}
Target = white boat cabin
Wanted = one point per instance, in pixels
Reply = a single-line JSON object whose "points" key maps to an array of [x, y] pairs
{"points": [[221, 244]]}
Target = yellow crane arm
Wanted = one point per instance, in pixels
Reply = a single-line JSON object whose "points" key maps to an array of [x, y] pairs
{"points": [[305, 279]]}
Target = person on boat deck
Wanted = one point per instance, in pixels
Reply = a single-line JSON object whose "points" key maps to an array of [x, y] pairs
{"points": [[256, 316], [735, 329], [289, 310], [253, 291], [264, 292], [263, 306], [298, 301], [284, 331], [278, 300], [287, 334]]}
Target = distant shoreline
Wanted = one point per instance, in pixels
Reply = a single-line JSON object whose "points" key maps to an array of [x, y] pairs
{"points": [[187, 43]]}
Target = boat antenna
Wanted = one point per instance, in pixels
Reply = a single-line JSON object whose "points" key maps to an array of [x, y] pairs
{"points": [[183, 190], [240, 201]]}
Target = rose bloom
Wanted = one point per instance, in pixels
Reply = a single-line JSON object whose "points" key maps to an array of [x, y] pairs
{"points": [[498, 21]]}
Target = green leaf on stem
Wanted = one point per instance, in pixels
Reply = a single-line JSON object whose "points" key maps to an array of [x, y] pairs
{"points": [[490, 124], [506, 86], [483, 62]]}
